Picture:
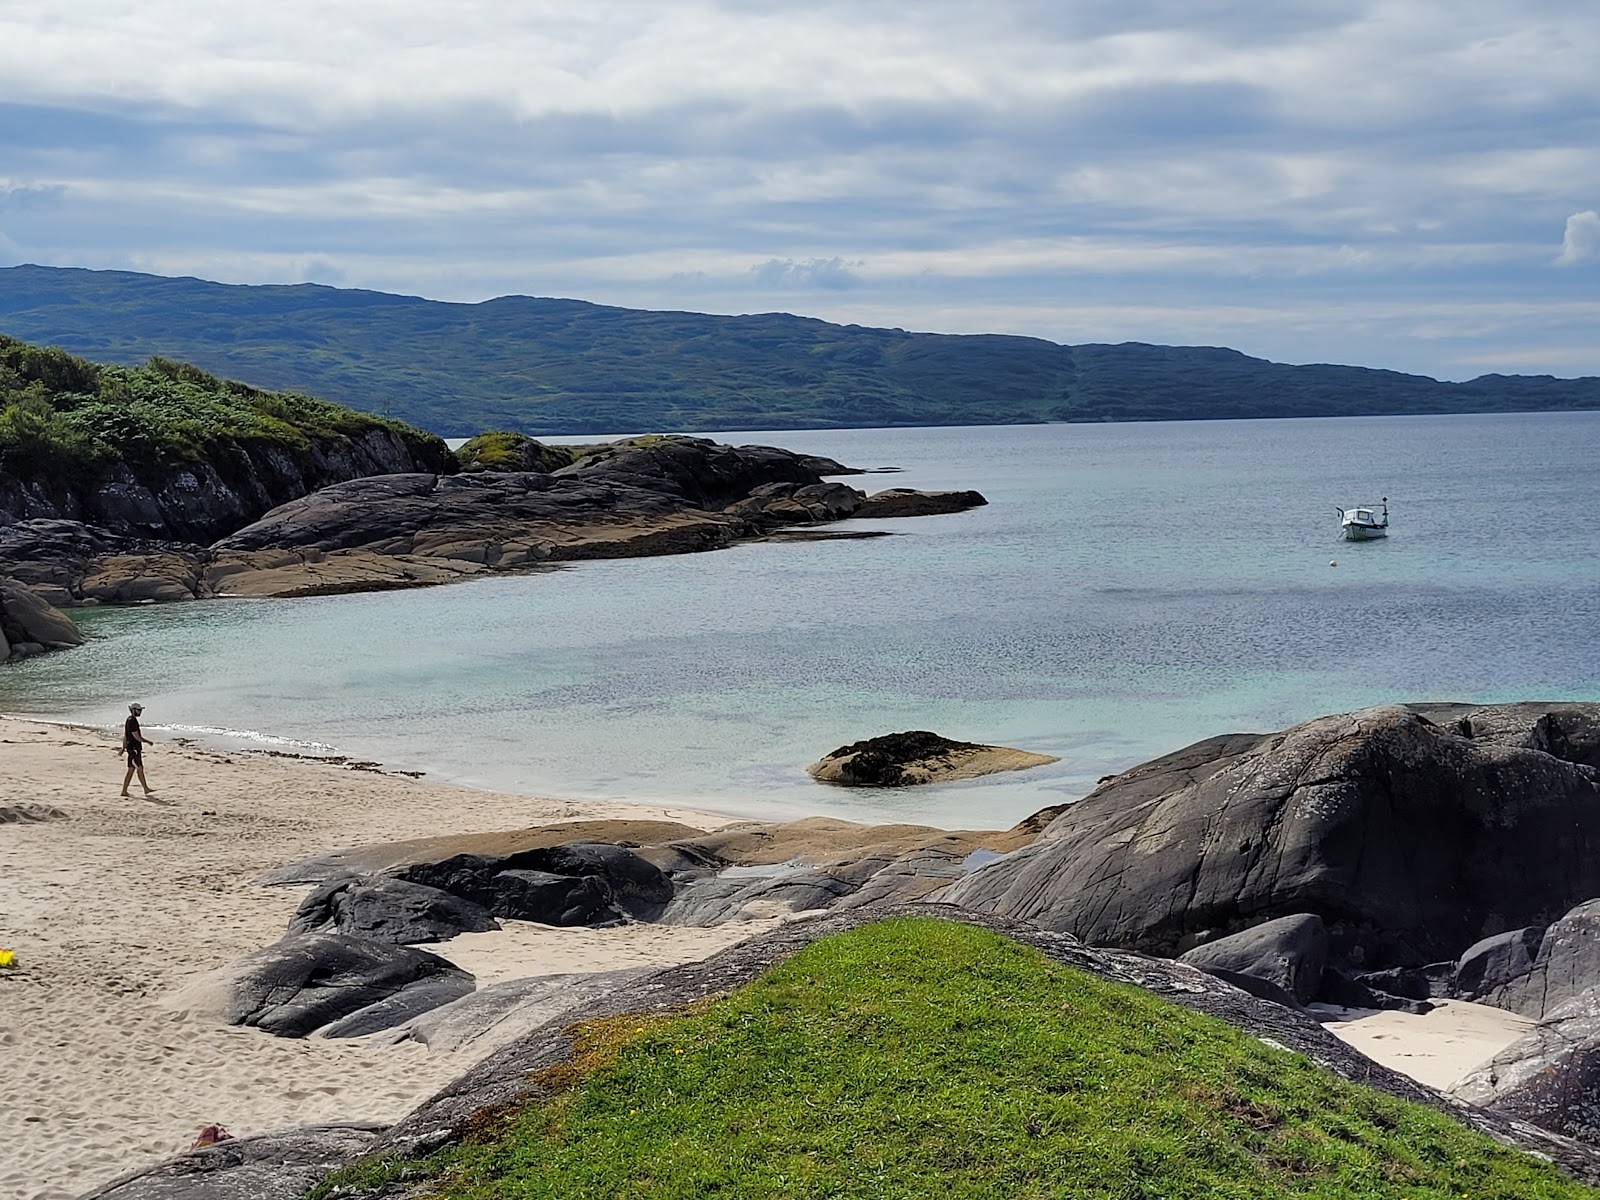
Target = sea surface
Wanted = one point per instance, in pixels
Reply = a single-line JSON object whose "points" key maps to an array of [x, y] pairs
{"points": [[1129, 589]]}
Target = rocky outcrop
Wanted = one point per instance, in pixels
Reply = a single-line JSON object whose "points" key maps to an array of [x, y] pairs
{"points": [[204, 500], [1408, 837], [282, 1165], [410, 528], [903, 759], [1491, 964], [332, 984], [30, 624], [1565, 965], [909, 502], [1550, 1076]]}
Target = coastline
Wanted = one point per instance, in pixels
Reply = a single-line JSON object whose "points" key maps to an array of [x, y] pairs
{"points": [[115, 908], [117, 911]]}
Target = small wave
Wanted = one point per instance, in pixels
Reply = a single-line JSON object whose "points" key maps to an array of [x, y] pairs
{"points": [[250, 735]]}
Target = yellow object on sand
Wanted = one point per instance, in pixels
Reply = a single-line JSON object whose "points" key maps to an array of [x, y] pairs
{"points": [[7, 958]]}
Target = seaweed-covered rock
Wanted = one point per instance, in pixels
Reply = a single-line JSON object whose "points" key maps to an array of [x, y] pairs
{"points": [[917, 756]]}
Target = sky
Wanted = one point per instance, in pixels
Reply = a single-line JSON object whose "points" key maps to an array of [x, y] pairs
{"points": [[1400, 183]]}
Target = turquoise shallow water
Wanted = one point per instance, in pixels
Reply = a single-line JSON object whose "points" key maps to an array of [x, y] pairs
{"points": [[1129, 589]]}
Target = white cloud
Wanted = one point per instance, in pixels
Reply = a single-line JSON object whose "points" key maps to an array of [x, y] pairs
{"points": [[867, 158], [1581, 241]]}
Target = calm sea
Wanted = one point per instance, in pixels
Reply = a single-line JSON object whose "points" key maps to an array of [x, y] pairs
{"points": [[1129, 589]]}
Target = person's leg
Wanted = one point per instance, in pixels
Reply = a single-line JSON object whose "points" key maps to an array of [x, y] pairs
{"points": [[148, 791], [128, 778]]}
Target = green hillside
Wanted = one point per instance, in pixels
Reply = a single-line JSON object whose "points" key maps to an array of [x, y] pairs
{"points": [[541, 366], [65, 419], [919, 1057]]}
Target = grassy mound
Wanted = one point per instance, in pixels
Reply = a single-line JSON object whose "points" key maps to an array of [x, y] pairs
{"points": [[64, 417], [919, 1057], [504, 451]]}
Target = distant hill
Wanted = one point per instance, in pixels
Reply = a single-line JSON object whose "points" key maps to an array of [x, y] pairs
{"points": [[542, 366]]}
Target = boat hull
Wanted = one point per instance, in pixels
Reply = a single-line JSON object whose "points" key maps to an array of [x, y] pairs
{"points": [[1364, 533]]}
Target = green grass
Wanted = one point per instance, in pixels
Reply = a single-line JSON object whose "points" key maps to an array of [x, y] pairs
{"points": [[66, 418], [918, 1058]]}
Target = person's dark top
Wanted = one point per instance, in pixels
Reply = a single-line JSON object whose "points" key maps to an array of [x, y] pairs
{"points": [[130, 731]]}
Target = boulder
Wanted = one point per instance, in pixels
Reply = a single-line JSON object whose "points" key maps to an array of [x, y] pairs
{"points": [[1289, 953], [1567, 964], [917, 756], [391, 910], [305, 982], [29, 624], [493, 1015], [1409, 839], [1490, 964], [576, 883]]}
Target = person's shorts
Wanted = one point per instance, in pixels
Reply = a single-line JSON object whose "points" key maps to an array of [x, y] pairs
{"points": [[135, 754]]}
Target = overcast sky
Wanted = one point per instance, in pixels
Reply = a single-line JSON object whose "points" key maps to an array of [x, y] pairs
{"points": [[1401, 183]]}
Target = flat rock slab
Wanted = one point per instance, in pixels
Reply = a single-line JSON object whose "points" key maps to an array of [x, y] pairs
{"points": [[906, 759], [282, 1165]]}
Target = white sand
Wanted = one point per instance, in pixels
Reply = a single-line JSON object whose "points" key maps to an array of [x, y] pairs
{"points": [[1436, 1048], [111, 911]]}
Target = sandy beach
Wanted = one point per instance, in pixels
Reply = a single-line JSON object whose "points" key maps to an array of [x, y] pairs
{"points": [[115, 908]]}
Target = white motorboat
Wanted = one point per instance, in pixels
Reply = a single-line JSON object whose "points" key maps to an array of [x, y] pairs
{"points": [[1360, 524]]}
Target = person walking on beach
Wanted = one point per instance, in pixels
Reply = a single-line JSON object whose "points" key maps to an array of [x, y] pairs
{"points": [[133, 744]]}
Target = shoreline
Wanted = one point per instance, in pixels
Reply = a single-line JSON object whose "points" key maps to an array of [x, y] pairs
{"points": [[116, 907], [119, 909]]}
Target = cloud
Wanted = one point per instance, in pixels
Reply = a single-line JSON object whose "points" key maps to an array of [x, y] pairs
{"points": [[831, 273], [1581, 241], [1023, 158]]}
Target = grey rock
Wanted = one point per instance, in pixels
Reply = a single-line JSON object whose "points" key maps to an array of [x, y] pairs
{"points": [[908, 502], [576, 883], [387, 909], [300, 984], [30, 624], [1289, 953], [1494, 962], [1568, 964], [1409, 839], [398, 1007], [1550, 1076], [284, 1164], [493, 1015]]}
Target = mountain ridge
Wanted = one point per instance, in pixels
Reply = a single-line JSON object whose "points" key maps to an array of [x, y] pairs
{"points": [[541, 365]]}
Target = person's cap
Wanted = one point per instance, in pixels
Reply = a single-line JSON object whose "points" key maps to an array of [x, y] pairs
{"points": [[135, 708]]}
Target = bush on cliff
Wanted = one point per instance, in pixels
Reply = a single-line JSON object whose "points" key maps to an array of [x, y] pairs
{"points": [[64, 417], [918, 1057], [501, 451]]}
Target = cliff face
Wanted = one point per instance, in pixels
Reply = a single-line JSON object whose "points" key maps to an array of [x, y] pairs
{"points": [[203, 501]]}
